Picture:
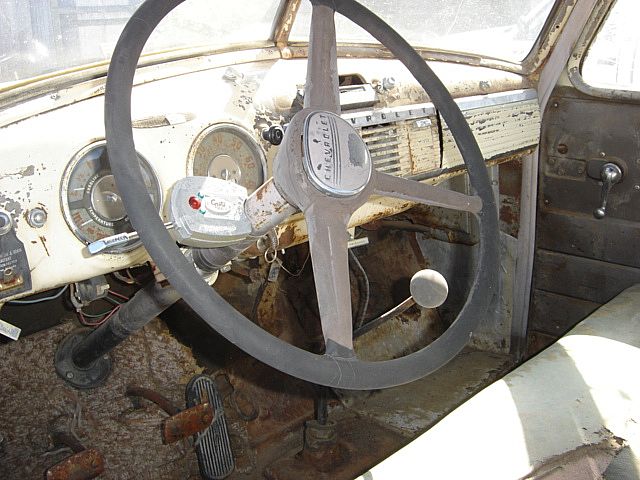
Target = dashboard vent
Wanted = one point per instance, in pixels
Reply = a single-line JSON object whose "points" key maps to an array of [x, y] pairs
{"points": [[403, 148], [384, 145]]}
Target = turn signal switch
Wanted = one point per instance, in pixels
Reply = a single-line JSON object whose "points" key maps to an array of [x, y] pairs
{"points": [[610, 174]]}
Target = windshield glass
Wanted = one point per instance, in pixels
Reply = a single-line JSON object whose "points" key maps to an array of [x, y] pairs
{"points": [[504, 29], [43, 36]]}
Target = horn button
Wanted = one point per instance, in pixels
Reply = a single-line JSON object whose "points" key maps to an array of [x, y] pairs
{"points": [[336, 159]]}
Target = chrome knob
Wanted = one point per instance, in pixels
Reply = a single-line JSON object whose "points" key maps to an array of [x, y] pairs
{"points": [[429, 288], [611, 174]]}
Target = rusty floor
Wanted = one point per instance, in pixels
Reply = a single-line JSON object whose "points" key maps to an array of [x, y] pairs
{"points": [[372, 424]]}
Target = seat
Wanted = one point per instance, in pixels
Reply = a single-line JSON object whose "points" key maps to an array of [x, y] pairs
{"points": [[572, 411]]}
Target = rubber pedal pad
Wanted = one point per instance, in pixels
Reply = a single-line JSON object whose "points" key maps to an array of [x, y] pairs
{"points": [[213, 447]]}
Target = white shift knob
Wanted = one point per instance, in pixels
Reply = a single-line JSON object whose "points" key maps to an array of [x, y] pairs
{"points": [[429, 288]]}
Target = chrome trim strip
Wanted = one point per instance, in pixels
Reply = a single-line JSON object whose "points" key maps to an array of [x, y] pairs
{"points": [[421, 110]]}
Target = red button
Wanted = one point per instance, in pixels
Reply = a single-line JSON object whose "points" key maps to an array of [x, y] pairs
{"points": [[194, 203]]}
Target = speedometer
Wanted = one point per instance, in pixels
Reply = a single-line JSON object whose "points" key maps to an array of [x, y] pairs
{"points": [[228, 152], [91, 202]]}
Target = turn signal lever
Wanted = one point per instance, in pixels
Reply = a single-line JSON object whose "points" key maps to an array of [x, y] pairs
{"points": [[610, 174]]}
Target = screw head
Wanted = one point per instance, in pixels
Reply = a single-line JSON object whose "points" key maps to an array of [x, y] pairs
{"points": [[69, 375], [636, 187]]}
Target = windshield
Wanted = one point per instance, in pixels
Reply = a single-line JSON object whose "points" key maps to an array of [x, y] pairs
{"points": [[505, 29], [43, 36]]}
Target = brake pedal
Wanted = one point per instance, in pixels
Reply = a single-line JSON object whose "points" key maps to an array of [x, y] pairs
{"points": [[213, 446]]}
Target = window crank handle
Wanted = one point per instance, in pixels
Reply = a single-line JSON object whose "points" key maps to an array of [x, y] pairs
{"points": [[611, 174]]}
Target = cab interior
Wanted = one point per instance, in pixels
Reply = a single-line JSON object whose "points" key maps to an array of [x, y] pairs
{"points": [[331, 251]]}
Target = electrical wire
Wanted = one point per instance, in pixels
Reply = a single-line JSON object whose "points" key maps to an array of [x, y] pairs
{"points": [[39, 300], [299, 272], [103, 317], [119, 295], [83, 317], [365, 290]]}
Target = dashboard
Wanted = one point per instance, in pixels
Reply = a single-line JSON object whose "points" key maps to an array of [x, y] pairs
{"points": [[207, 116]]}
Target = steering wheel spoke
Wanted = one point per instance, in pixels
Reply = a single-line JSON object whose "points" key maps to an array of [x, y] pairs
{"points": [[321, 90], [412, 190], [328, 238]]}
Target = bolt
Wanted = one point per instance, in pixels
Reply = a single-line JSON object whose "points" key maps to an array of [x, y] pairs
{"points": [[8, 274], [563, 149], [226, 268], [602, 154], [69, 375], [636, 187], [580, 169], [37, 217], [494, 182], [555, 104], [546, 201], [388, 83]]}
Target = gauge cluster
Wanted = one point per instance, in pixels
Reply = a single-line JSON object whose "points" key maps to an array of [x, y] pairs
{"points": [[91, 201]]}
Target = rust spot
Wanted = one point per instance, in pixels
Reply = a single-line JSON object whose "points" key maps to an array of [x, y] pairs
{"points": [[80, 466], [187, 423], [511, 178], [285, 22], [288, 235], [507, 215], [43, 240]]}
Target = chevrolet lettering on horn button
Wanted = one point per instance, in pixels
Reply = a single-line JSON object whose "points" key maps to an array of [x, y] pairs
{"points": [[336, 159]]}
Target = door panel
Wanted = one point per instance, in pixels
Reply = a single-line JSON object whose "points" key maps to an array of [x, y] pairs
{"points": [[582, 262]]}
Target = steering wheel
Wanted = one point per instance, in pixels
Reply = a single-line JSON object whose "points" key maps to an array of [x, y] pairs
{"points": [[327, 183]]}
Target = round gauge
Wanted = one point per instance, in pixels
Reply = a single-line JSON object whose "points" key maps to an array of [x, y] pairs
{"points": [[228, 152], [90, 199]]}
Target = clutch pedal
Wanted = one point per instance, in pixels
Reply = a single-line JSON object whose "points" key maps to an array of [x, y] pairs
{"points": [[213, 446]]}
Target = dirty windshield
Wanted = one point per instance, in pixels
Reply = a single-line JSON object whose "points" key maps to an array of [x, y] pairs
{"points": [[504, 29], [43, 36]]}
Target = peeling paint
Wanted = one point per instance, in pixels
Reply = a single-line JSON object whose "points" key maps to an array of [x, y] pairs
{"points": [[11, 206], [21, 173]]}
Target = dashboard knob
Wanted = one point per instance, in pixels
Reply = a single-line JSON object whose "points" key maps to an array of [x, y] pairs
{"points": [[274, 134]]}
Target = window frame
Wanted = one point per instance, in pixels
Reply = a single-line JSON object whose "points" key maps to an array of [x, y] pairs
{"points": [[574, 66]]}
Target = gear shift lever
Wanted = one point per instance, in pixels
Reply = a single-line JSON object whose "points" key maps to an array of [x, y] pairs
{"points": [[428, 288]]}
